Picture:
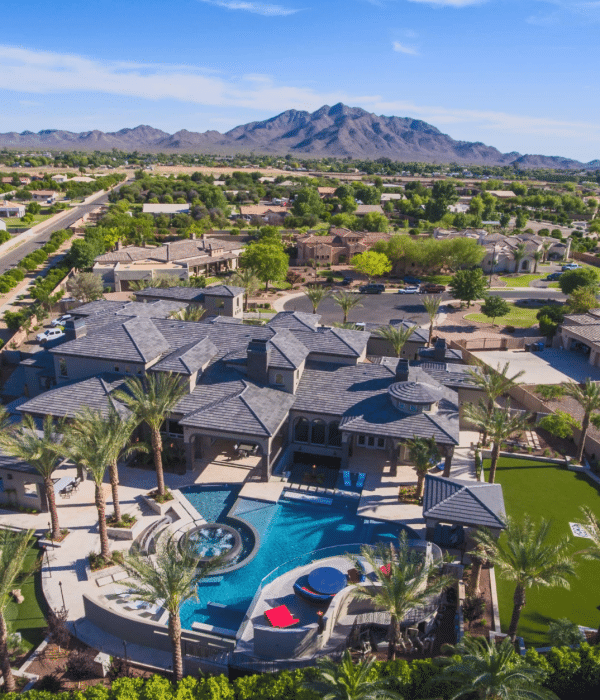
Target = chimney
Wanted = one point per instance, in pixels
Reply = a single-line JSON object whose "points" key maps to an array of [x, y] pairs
{"points": [[193, 235], [75, 328], [402, 370], [439, 351], [119, 244], [257, 365]]}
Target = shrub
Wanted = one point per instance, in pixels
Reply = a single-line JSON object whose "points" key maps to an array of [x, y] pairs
{"points": [[50, 683], [564, 633], [80, 666], [509, 329]]}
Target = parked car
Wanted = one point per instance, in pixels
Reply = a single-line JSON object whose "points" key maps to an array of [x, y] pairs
{"points": [[372, 289], [346, 282], [409, 290], [552, 277], [432, 288], [61, 320], [410, 279], [50, 334], [570, 266]]}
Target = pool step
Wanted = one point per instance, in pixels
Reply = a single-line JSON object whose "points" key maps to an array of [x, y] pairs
{"points": [[307, 497]]}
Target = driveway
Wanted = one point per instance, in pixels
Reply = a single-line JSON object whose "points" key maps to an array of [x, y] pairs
{"points": [[551, 366]]}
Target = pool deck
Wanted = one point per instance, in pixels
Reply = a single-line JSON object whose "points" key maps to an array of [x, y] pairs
{"points": [[260, 491]]}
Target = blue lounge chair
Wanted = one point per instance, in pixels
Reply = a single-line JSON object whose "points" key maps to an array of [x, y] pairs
{"points": [[360, 481], [347, 479]]}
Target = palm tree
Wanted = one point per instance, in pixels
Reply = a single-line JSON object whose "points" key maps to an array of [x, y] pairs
{"points": [[524, 555], [13, 550], [592, 525], [345, 680], [495, 672], [404, 581], [494, 383], [588, 397], [499, 425], [90, 448], [537, 256], [546, 246], [43, 453], [247, 279], [424, 453], [518, 255], [190, 313], [432, 306], [316, 294], [171, 576], [152, 400], [347, 301], [397, 336]]}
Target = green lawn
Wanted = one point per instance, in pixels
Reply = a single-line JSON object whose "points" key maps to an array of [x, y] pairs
{"points": [[37, 219], [518, 316], [550, 491], [437, 279], [522, 280], [29, 618]]}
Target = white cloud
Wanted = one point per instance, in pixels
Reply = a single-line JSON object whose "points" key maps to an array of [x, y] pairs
{"points": [[450, 3], [43, 72], [401, 48], [30, 103], [257, 8]]}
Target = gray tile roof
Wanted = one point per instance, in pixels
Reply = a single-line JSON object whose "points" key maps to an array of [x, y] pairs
{"points": [[470, 503], [67, 400], [415, 392], [15, 465], [295, 321], [146, 338], [223, 290], [222, 319], [188, 359], [287, 352], [194, 294], [334, 341], [158, 309]]}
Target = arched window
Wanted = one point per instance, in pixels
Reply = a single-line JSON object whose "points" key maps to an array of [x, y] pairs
{"points": [[334, 437], [317, 436], [301, 430]]}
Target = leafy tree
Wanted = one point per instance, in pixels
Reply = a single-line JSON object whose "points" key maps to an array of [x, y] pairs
{"points": [[82, 254], [269, 233], [397, 336], [42, 452], [152, 401], [498, 424], [405, 579], [575, 279], [13, 550], [34, 208], [371, 264], [345, 680], [494, 671], [308, 203], [582, 300], [316, 294], [373, 221], [495, 307], [463, 253], [347, 301], [559, 423], [424, 453], [521, 219], [432, 306], [172, 576], [268, 260], [527, 555], [86, 286], [443, 194], [469, 285], [550, 317], [588, 397]]}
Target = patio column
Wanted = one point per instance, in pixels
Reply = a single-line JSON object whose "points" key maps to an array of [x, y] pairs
{"points": [[393, 455], [449, 453]]}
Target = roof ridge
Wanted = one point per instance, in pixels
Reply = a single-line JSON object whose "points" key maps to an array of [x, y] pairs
{"points": [[481, 503], [242, 398], [142, 318], [336, 332], [216, 402], [441, 427], [444, 481]]}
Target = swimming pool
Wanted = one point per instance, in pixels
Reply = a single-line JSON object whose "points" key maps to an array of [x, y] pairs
{"points": [[287, 530]]}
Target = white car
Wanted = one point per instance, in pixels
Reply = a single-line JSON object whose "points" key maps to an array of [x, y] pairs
{"points": [[61, 320], [409, 290], [50, 334]]}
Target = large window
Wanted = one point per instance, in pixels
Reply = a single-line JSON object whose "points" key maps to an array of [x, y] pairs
{"points": [[334, 437], [317, 436], [301, 430], [371, 441]]}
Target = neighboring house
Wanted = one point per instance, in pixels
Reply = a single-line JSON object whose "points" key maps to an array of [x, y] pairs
{"points": [[269, 213], [60, 178], [391, 196], [184, 259], [289, 391], [326, 192], [218, 300], [46, 196], [502, 194], [12, 211], [166, 209], [363, 209], [338, 247], [581, 333]]}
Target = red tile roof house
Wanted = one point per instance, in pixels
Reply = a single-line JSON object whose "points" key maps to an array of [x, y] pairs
{"points": [[336, 248]]}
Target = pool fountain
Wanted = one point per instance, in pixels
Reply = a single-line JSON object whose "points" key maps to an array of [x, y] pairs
{"points": [[215, 539]]}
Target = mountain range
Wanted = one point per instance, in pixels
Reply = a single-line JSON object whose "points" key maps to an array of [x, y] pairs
{"points": [[338, 131]]}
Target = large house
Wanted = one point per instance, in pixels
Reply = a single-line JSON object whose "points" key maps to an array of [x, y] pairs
{"points": [[12, 211], [184, 259], [337, 247], [291, 390]]}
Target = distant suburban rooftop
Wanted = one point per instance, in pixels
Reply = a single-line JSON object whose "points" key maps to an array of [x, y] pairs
{"points": [[165, 208]]}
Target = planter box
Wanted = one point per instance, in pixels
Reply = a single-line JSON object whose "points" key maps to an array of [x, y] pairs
{"points": [[160, 508], [126, 533]]}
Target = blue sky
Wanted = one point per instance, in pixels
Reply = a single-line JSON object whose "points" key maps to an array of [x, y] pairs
{"points": [[516, 74]]}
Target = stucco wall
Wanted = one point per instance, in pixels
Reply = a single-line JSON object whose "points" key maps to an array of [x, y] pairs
{"points": [[13, 489]]}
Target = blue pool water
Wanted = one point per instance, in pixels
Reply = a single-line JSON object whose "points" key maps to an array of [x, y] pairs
{"points": [[287, 530]]}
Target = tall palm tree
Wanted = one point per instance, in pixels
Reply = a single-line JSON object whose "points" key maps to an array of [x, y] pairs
{"points": [[347, 301], [152, 400], [499, 425], [190, 313], [316, 294], [495, 672], [405, 582], [345, 680], [494, 383], [90, 448], [247, 279], [43, 453], [13, 550], [524, 555], [424, 453], [518, 255], [588, 397], [397, 336], [432, 306], [170, 576], [592, 525], [537, 256]]}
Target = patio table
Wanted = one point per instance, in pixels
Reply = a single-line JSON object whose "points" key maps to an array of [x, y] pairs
{"points": [[326, 579]]}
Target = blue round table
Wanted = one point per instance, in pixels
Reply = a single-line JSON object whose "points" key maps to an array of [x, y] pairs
{"points": [[326, 579]]}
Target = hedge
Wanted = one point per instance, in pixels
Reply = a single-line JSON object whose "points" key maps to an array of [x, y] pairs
{"points": [[572, 673]]}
